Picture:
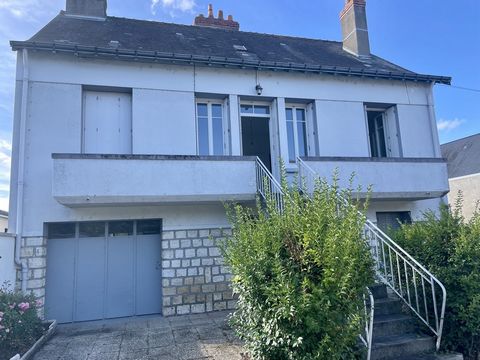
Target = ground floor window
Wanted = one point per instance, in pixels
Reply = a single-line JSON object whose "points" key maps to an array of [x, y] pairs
{"points": [[391, 220]]}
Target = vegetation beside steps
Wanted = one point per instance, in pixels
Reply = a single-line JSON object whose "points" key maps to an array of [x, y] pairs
{"points": [[300, 275], [449, 246]]}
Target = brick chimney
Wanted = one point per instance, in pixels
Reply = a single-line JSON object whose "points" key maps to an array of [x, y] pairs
{"points": [[354, 28], [89, 8], [216, 22]]}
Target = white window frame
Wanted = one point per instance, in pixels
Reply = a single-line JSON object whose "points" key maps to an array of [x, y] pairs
{"points": [[294, 107], [209, 103], [386, 131]]}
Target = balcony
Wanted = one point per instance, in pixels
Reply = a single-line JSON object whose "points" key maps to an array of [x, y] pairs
{"points": [[390, 178], [104, 180]]}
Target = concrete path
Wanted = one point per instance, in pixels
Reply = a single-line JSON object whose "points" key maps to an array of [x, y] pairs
{"points": [[192, 337]]}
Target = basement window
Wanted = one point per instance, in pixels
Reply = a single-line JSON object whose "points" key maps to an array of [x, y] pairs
{"points": [[210, 128]]}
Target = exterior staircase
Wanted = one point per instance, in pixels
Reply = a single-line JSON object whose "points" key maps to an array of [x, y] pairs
{"points": [[406, 299], [396, 334]]}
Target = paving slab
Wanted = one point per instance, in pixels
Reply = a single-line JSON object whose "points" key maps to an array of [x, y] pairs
{"points": [[188, 337]]}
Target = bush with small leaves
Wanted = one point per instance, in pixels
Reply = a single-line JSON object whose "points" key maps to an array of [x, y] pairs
{"points": [[449, 247], [300, 275], [20, 326]]}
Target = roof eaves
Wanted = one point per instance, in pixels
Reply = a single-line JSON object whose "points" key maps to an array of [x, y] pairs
{"points": [[156, 56]]}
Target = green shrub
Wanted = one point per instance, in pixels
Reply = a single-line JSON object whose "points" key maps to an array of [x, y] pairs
{"points": [[299, 276], [20, 326], [450, 248]]}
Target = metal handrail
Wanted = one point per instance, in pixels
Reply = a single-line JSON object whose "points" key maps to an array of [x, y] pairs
{"points": [[267, 186], [398, 270], [367, 337]]}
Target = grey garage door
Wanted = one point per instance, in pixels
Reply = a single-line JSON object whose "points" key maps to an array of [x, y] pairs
{"points": [[99, 270]]}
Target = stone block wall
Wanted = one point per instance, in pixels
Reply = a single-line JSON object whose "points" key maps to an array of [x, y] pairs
{"points": [[195, 279], [34, 251]]}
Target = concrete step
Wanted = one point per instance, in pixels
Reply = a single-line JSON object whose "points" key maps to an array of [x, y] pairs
{"points": [[379, 291], [402, 346], [396, 324], [388, 306], [432, 357]]}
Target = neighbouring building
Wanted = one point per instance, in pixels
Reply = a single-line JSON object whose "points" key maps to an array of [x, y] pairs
{"points": [[129, 135], [463, 166]]}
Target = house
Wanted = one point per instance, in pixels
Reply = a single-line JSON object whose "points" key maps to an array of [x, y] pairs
{"points": [[464, 172], [130, 135]]}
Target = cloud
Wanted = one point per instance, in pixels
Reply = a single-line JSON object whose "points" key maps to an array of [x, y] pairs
{"points": [[447, 125], [30, 10], [173, 5]]}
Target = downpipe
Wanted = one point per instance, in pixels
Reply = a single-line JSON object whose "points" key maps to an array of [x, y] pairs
{"points": [[22, 264]]}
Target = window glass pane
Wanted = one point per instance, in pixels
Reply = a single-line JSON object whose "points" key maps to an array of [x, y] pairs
{"points": [[202, 110], [217, 136], [300, 114], [289, 114], [120, 228], [246, 109], [203, 136], [217, 110], [381, 136], [92, 229], [262, 109], [61, 230], [291, 142], [149, 227], [302, 138]]}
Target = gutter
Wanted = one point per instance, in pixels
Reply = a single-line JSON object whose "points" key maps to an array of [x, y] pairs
{"points": [[21, 169], [188, 59]]}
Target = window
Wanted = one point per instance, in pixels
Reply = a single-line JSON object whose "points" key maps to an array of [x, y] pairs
{"points": [[254, 109], [388, 221], [383, 132], [210, 128], [107, 122], [296, 133], [61, 230]]}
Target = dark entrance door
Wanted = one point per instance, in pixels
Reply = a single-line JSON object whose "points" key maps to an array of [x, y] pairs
{"points": [[256, 139]]}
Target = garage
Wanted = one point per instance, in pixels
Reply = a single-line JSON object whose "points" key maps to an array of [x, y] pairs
{"points": [[103, 269]]}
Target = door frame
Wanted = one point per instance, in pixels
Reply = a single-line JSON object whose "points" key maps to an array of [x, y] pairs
{"points": [[271, 129]]}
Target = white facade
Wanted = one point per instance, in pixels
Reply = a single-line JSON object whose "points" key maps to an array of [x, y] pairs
{"points": [[158, 103]]}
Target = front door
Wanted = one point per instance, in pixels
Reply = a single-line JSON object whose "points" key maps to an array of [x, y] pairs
{"points": [[256, 138]]}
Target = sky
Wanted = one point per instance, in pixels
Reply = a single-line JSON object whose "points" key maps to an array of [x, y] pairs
{"points": [[426, 36]]}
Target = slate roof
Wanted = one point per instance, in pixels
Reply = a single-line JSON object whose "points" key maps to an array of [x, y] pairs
{"points": [[158, 41], [463, 156]]}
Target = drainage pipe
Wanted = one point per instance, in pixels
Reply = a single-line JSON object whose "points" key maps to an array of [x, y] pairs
{"points": [[22, 264]]}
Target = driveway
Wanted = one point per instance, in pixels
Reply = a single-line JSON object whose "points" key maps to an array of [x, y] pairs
{"points": [[203, 336]]}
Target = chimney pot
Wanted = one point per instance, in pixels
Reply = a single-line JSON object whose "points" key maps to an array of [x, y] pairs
{"points": [[354, 28], [219, 22]]}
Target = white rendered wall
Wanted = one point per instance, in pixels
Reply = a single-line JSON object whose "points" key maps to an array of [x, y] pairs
{"points": [[164, 123], [7, 264]]}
